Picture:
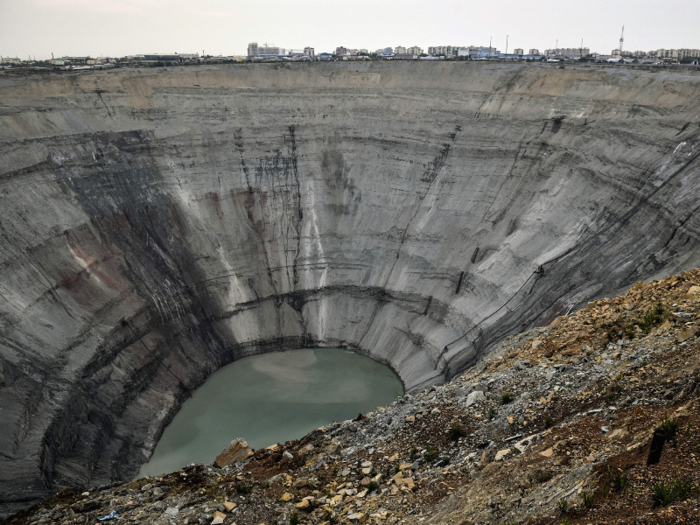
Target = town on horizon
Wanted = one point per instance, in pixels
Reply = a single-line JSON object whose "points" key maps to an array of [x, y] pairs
{"points": [[272, 53]]}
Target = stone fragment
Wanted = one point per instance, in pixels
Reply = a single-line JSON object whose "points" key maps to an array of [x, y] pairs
{"points": [[334, 449], [303, 504], [475, 397], [694, 290], [410, 419], [287, 497], [547, 453], [237, 451], [407, 482], [501, 454], [300, 483], [357, 517], [229, 506], [366, 470], [287, 455], [219, 517], [686, 334]]}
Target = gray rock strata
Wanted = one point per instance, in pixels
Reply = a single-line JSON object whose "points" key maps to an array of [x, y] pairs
{"points": [[158, 224]]}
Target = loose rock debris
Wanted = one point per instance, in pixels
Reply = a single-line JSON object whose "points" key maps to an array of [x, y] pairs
{"points": [[555, 426]]}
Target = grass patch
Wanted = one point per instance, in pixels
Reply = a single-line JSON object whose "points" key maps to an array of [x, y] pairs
{"points": [[294, 519], [430, 453], [563, 506], [373, 485], [588, 499], [506, 397], [663, 494], [547, 421]]}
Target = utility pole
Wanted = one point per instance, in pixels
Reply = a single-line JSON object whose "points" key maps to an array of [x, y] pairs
{"points": [[581, 50], [507, 46], [490, 40]]}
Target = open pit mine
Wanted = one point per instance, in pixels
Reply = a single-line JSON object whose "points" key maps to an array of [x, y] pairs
{"points": [[158, 224]]}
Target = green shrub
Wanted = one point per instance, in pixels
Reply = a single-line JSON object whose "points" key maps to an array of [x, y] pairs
{"points": [[242, 489], [563, 506], [663, 494], [456, 432], [547, 421], [373, 485], [654, 316], [588, 500], [294, 519], [430, 453], [506, 397]]}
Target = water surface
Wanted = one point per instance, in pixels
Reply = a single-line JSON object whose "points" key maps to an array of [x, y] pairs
{"points": [[272, 398]]}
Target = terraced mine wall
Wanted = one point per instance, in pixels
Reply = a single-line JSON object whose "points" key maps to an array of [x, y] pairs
{"points": [[159, 223]]}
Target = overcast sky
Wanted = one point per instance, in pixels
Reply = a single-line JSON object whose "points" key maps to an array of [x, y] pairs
{"points": [[122, 27]]}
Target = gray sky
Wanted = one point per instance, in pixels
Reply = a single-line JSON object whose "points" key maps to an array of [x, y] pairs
{"points": [[122, 27]]}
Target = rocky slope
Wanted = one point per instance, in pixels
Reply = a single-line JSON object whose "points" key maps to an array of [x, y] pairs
{"points": [[554, 427], [157, 224]]}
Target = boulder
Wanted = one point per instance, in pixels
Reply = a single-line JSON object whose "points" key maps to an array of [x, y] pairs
{"points": [[237, 451], [475, 397]]}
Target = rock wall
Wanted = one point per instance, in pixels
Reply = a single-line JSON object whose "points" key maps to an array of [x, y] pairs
{"points": [[157, 224]]}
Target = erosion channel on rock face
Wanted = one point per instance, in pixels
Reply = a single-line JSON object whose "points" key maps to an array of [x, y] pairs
{"points": [[272, 398], [160, 223]]}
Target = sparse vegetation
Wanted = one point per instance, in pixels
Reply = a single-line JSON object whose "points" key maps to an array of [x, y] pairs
{"points": [[456, 432], [506, 397], [671, 427], [563, 506], [547, 421], [663, 494], [492, 412], [588, 499], [541, 476], [373, 485], [430, 453], [294, 519], [619, 481], [242, 489], [654, 316]]}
